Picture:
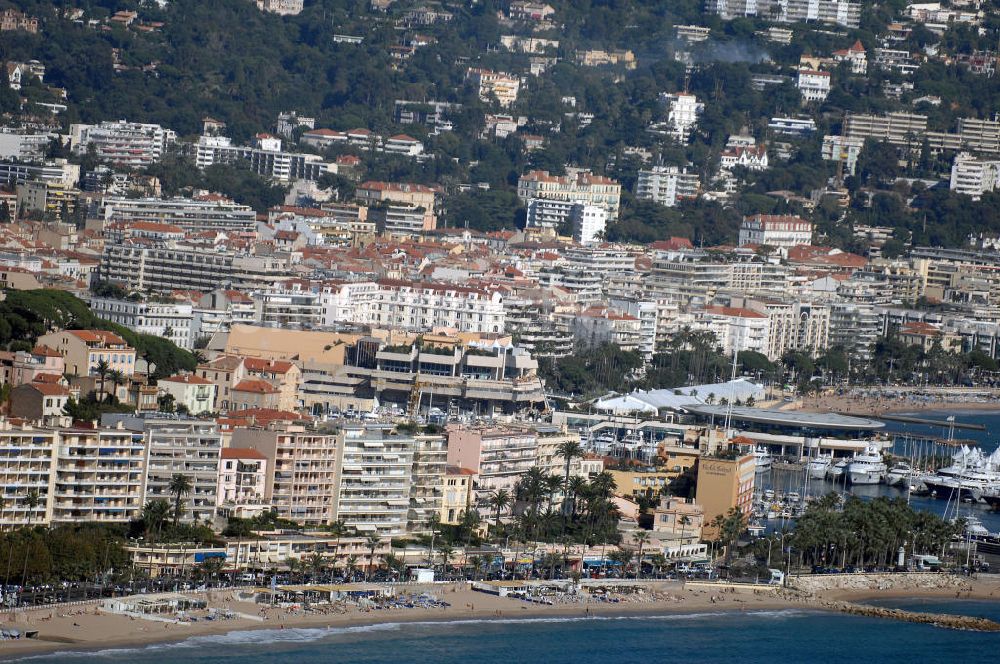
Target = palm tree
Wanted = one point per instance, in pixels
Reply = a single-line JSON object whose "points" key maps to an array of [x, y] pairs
{"points": [[552, 484], [550, 560], [180, 485], [577, 487], [685, 521], [476, 563], [622, 557], [102, 370], [352, 566], [641, 537], [433, 522], [499, 500], [31, 501], [569, 450], [372, 543], [315, 563], [293, 566], [395, 563], [154, 515], [338, 529], [447, 551], [117, 378]]}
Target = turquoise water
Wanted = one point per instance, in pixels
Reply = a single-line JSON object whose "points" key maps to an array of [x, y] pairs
{"points": [[751, 637]]}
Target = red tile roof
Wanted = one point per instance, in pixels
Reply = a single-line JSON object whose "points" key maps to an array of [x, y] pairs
{"points": [[256, 386], [241, 453]]}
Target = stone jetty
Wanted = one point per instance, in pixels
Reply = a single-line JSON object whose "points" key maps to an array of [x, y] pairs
{"points": [[945, 620]]}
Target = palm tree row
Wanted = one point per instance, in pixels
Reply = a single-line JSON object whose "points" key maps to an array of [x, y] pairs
{"points": [[587, 515]]}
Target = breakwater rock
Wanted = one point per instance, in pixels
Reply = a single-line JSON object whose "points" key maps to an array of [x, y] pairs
{"points": [[817, 583], [945, 620]]}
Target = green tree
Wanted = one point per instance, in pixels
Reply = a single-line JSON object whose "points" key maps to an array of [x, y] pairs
{"points": [[180, 485]]}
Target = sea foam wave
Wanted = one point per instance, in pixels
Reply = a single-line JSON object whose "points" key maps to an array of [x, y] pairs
{"points": [[276, 635]]}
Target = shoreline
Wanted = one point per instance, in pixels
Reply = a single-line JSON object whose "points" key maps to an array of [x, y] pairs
{"points": [[874, 408], [100, 632]]}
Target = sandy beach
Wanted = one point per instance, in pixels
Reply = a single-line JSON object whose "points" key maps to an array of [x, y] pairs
{"points": [[86, 628]]}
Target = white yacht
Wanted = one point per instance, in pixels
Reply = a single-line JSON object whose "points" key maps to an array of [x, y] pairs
{"points": [[836, 470], [899, 474], [763, 459], [866, 467], [971, 475], [818, 466]]}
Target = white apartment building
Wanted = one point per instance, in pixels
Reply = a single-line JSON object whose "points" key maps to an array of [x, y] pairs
{"points": [[170, 320], [375, 471], [974, 176], [196, 394], [98, 476], [281, 7], [430, 460], [265, 158], [813, 85], [589, 222], [290, 308], [576, 186], [845, 149], [601, 325], [123, 143], [495, 85], [187, 447], [167, 267], [191, 214], [775, 231], [414, 305], [301, 481], [735, 329], [666, 185], [683, 110], [800, 326], [27, 463]]}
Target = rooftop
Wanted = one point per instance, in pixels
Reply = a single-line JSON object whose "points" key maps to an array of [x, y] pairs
{"points": [[789, 418]]}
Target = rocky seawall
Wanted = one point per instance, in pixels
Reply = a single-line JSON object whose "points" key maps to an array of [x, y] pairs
{"points": [[945, 620]]}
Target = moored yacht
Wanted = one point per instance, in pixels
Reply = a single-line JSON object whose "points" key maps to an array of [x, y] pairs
{"points": [[818, 466], [866, 467], [763, 459], [899, 474]]}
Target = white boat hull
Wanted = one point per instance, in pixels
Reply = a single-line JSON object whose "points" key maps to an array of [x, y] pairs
{"points": [[864, 476]]}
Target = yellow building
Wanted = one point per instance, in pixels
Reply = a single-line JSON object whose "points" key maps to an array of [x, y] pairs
{"points": [[83, 350], [722, 485], [458, 484]]}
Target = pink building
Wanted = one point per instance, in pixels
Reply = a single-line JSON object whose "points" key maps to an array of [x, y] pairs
{"points": [[41, 360], [242, 477]]}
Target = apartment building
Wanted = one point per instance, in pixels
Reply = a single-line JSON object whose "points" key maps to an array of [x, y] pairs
{"points": [[264, 158], [27, 463], [186, 447], [52, 200], [498, 456], [99, 475], [196, 394], [173, 321], [301, 470], [281, 7], [589, 223], [400, 207], [57, 171], [596, 326], [83, 350], [576, 186], [164, 268], [736, 329], [775, 231], [843, 149], [288, 306], [415, 305], [667, 185], [813, 85], [190, 214], [129, 144], [501, 86], [904, 129], [973, 176], [243, 477], [683, 110], [846, 13], [375, 469], [427, 479]]}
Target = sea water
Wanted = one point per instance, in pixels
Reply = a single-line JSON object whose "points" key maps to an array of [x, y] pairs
{"points": [[750, 637]]}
